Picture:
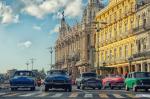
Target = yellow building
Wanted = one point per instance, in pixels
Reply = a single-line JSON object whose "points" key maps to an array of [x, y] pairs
{"points": [[116, 41]]}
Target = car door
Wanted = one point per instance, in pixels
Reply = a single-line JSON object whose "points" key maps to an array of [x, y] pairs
{"points": [[127, 81]]}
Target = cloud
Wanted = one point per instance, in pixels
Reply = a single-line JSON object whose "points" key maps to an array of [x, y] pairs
{"points": [[26, 44], [41, 8], [37, 27], [6, 15], [74, 9], [55, 30]]}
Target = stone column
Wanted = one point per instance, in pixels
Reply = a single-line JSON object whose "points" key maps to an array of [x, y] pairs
{"points": [[124, 69], [142, 67], [136, 67], [148, 67]]}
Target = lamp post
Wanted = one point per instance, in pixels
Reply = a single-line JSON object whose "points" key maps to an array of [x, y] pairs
{"points": [[27, 63], [51, 52]]}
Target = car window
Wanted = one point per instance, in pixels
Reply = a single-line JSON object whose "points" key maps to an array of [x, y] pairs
{"points": [[89, 75], [141, 75], [23, 73], [57, 72]]}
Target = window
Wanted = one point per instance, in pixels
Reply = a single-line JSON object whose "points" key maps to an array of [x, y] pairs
{"points": [[132, 49], [115, 53], [126, 51], [144, 44], [111, 54], [120, 52]]}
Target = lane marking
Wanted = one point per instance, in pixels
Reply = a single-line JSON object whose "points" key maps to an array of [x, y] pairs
{"points": [[73, 95], [117, 96], [11, 95], [143, 95], [29, 94], [42, 95], [103, 95], [88, 96], [57, 95], [2, 94], [131, 96]]}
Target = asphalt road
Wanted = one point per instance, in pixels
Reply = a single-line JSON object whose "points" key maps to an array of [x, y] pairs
{"points": [[75, 94]]}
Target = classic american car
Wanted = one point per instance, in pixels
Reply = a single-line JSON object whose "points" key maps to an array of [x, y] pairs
{"points": [[88, 80], [137, 80], [23, 79], [113, 81], [58, 79]]}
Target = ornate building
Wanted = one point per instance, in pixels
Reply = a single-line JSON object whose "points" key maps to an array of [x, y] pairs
{"points": [[74, 46], [117, 39], [140, 61]]}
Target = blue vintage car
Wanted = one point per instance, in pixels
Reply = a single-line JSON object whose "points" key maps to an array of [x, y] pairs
{"points": [[58, 79], [23, 79]]}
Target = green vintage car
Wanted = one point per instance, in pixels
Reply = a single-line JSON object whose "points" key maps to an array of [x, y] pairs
{"points": [[137, 80]]}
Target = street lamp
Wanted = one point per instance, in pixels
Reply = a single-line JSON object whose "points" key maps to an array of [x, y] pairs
{"points": [[27, 63], [51, 52]]}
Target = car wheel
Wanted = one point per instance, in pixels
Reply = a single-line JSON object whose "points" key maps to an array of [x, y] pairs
{"points": [[119, 88], [146, 90], [78, 87], [12, 89], [70, 89], [65, 89], [111, 87], [46, 89], [32, 88], [126, 88], [99, 88], [82, 87], [93, 88], [134, 89]]}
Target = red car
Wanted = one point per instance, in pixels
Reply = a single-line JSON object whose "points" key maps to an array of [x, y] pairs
{"points": [[113, 81]]}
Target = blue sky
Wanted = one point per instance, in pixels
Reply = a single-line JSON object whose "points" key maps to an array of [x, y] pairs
{"points": [[29, 27]]}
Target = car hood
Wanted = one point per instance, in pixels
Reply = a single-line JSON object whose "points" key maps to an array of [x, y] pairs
{"points": [[22, 78]]}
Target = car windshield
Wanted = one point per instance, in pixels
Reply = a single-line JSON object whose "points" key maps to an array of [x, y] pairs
{"points": [[141, 75], [89, 75], [60, 72], [115, 76], [23, 73]]}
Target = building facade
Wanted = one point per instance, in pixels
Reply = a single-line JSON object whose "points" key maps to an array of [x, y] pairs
{"points": [[117, 39], [74, 47], [140, 61]]}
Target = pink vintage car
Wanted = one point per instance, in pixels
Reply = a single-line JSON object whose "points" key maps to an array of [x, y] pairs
{"points": [[113, 81]]}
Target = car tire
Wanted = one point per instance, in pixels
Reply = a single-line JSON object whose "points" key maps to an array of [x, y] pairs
{"points": [[126, 88], [78, 87], [146, 90], [12, 89], [46, 89], [134, 89], [82, 87], [32, 88], [70, 89], [99, 88], [111, 87]]}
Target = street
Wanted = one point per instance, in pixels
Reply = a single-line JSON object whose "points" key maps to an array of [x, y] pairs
{"points": [[75, 94]]}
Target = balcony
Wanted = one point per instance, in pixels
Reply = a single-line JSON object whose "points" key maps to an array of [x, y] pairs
{"points": [[141, 28]]}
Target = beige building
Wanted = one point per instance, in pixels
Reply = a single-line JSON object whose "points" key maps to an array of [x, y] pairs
{"points": [[140, 61], [74, 50]]}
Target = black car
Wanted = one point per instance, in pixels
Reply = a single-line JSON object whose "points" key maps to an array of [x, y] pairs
{"points": [[88, 80], [58, 79]]}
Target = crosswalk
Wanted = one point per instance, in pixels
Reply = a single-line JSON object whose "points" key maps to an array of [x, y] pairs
{"points": [[69, 95]]}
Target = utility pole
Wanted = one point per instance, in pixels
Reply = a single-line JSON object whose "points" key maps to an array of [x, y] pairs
{"points": [[32, 62], [51, 52], [27, 63]]}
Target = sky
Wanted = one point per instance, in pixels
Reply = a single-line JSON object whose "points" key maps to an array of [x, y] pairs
{"points": [[29, 27]]}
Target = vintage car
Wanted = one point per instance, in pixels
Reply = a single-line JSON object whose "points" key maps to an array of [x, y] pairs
{"points": [[113, 81], [23, 79], [137, 80], [58, 79], [88, 80]]}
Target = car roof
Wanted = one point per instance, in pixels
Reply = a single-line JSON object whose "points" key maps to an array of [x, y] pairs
{"points": [[89, 73], [24, 71], [138, 72]]}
